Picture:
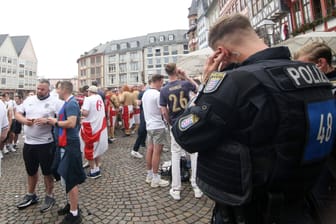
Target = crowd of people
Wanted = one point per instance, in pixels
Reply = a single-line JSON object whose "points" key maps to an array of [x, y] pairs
{"points": [[259, 132]]}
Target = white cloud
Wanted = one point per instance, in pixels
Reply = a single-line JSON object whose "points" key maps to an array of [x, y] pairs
{"points": [[62, 30]]}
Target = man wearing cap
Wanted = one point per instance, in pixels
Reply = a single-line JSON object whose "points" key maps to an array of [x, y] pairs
{"points": [[93, 130]]}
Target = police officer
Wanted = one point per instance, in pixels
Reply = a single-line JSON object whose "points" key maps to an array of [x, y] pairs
{"points": [[262, 129]]}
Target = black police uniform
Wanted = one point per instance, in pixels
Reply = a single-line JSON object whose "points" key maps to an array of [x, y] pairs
{"points": [[263, 131]]}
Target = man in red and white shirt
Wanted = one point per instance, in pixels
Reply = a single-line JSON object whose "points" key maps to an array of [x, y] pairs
{"points": [[93, 132]]}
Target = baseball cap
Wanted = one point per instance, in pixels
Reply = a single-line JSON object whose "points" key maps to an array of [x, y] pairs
{"points": [[93, 89]]}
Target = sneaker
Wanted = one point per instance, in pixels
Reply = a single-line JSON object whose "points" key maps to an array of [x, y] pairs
{"points": [[5, 150], [198, 193], [165, 149], [136, 154], [27, 201], [1, 156], [86, 164], [11, 148], [65, 210], [48, 204], [94, 175], [70, 219], [175, 194], [15, 146], [149, 179], [159, 183]]}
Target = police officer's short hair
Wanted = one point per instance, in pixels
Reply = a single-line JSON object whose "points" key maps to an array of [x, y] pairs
{"points": [[227, 26], [315, 50], [157, 77]]}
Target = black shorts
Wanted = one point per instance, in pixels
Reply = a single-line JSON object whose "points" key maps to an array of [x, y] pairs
{"points": [[38, 155], [17, 127]]}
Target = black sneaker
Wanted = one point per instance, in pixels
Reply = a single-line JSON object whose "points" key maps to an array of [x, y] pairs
{"points": [[70, 219], [27, 201], [48, 204], [65, 210], [94, 175]]}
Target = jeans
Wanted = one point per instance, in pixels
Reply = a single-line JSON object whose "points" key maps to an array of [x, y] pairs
{"points": [[142, 133]]}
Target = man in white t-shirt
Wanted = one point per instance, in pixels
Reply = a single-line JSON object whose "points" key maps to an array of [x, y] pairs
{"points": [[93, 134], [38, 149], [156, 131]]}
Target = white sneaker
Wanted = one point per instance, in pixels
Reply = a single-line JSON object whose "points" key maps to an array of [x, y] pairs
{"points": [[149, 179], [175, 194], [1, 156], [5, 150], [165, 149], [198, 193], [11, 148], [136, 154], [158, 182], [86, 164]]}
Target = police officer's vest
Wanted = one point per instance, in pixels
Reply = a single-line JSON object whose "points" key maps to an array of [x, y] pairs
{"points": [[291, 160]]}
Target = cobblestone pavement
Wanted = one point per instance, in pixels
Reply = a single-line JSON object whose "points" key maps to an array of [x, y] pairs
{"points": [[119, 196]]}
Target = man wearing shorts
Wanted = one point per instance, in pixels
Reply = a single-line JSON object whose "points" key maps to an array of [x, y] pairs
{"points": [[38, 149], [156, 131]]}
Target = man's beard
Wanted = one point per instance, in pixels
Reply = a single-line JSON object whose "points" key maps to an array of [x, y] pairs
{"points": [[43, 97]]}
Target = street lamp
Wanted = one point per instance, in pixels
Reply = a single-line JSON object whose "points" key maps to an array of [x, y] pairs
{"points": [[267, 29]]}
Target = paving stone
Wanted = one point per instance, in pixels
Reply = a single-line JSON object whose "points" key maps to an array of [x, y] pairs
{"points": [[120, 196]]}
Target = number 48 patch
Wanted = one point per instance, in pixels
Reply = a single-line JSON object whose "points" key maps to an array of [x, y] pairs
{"points": [[321, 121]]}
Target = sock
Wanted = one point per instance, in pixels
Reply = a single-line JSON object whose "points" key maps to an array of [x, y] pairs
{"points": [[97, 169], [156, 176], [150, 173], [92, 170], [30, 194], [74, 213]]}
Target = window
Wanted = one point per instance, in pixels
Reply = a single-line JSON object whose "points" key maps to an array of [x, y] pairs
{"points": [[3, 81], [112, 79], [171, 37], [158, 61], [151, 39], [123, 46], [165, 50], [134, 44], [122, 67], [134, 55], [122, 57], [174, 59], [3, 70], [92, 60], [14, 71], [98, 71], [111, 68], [114, 47], [150, 61], [123, 78], [134, 66], [149, 52], [161, 38], [112, 58], [166, 60], [9, 71], [4, 59], [307, 14], [134, 77], [9, 61], [14, 62], [98, 60], [92, 71], [157, 52]]}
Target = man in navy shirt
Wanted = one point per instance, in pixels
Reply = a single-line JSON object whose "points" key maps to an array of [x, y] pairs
{"points": [[174, 97]]}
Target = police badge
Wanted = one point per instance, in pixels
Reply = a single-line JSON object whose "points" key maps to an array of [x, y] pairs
{"points": [[214, 82]]}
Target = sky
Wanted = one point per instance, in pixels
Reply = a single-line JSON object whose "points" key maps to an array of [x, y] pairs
{"points": [[62, 30]]}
